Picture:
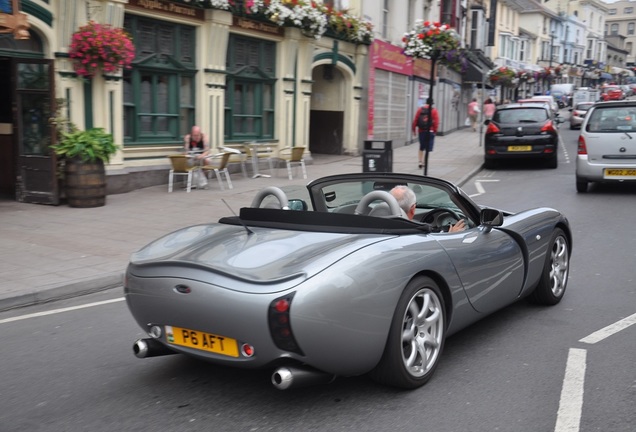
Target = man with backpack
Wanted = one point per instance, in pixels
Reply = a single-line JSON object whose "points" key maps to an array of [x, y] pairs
{"points": [[421, 122]]}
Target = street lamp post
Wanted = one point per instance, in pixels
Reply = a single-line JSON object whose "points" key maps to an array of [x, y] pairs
{"points": [[551, 48]]}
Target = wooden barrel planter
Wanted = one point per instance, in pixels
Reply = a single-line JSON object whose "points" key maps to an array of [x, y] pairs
{"points": [[85, 184]]}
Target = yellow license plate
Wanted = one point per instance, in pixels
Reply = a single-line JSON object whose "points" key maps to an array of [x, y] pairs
{"points": [[611, 172], [519, 148], [202, 341]]}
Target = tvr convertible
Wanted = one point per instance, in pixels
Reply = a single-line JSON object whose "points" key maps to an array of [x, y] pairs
{"points": [[334, 280]]}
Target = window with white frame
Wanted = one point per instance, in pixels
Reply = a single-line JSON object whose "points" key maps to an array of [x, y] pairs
{"points": [[590, 47], [630, 28], [523, 46], [614, 29], [611, 11], [385, 20], [545, 50], [628, 10]]}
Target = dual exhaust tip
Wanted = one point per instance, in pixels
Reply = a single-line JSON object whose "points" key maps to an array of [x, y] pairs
{"points": [[283, 378]]}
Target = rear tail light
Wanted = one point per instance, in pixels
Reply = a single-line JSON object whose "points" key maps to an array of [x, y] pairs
{"points": [[280, 325], [548, 127], [582, 148], [492, 129]]}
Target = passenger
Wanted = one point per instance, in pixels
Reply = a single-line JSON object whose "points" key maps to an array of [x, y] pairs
{"points": [[407, 201]]}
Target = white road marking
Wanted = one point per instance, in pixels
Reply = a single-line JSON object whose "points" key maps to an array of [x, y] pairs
{"points": [[565, 150], [480, 188], [56, 311], [610, 330], [571, 403]]}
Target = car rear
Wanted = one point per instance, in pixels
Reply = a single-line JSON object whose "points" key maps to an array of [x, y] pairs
{"points": [[612, 94], [519, 131], [607, 145], [578, 114]]}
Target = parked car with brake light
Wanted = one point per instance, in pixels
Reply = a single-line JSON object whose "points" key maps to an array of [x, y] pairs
{"points": [[607, 144], [610, 93], [522, 130], [578, 114]]}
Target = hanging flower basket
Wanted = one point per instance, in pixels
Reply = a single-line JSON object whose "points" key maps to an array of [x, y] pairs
{"points": [[430, 40], [504, 76], [100, 48]]}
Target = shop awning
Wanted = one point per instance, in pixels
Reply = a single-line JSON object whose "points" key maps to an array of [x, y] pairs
{"points": [[620, 71], [474, 75]]}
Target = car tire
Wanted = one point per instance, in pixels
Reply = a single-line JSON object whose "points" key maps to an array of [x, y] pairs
{"points": [[581, 186], [556, 269], [553, 162], [490, 164], [414, 345]]}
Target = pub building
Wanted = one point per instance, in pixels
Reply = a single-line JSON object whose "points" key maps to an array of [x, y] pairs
{"points": [[238, 77]]}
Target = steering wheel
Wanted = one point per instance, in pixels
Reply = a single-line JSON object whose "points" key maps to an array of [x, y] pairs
{"points": [[273, 191], [434, 217], [363, 205]]}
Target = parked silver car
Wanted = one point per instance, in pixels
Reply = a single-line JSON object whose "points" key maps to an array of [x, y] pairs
{"points": [[607, 144], [578, 114]]}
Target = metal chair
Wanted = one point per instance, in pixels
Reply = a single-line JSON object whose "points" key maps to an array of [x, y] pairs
{"points": [[181, 167], [258, 152], [218, 164], [293, 156], [237, 154]]}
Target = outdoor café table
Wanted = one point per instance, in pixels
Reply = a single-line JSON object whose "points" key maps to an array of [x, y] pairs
{"points": [[254, 148]]}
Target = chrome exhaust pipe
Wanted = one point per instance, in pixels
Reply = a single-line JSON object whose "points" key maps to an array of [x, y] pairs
{"points": [[288, 377], [144, 348]]}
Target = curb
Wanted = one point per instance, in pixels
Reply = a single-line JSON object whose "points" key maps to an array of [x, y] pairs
{"points": [[61, 292]]}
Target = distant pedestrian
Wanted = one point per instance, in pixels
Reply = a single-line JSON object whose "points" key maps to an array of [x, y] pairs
{"points": [[473, 112], [197, 143], [421, 122], [489, 109]]}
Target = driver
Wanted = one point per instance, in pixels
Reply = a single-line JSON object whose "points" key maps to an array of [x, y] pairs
{"points": [[407, 200]]}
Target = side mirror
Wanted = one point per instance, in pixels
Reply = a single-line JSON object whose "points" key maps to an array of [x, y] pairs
{"points": [[297, 204], [486, 122], [491, 218]]}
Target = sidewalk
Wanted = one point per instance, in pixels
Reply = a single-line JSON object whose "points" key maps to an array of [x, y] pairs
{"points": [[48, 252]]}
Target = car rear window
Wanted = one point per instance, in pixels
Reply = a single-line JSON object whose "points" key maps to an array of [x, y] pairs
{"points": [[521, 115], [612, 119], [584, 106]]}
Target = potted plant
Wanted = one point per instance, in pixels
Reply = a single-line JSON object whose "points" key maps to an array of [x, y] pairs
{"points": [[84, 154]]}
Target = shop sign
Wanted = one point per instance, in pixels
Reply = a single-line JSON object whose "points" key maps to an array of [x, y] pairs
{"points": [[167, 8], [390, 58], [13, 21], [248, 24]]}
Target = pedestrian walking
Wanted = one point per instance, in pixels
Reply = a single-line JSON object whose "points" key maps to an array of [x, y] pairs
{"points": [[473, 112], [421, 122]]}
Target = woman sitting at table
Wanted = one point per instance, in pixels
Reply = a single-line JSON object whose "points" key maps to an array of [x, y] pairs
{"points": [[197, 144]]}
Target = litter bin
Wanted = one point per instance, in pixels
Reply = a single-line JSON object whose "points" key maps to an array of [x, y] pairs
{"points": [[377, 156]]}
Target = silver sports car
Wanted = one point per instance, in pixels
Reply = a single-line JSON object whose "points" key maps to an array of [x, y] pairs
{"points": [[335, 281]]}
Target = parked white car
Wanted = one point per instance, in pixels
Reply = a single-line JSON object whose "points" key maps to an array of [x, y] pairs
{"points": [[550, 99], [607, 144]]}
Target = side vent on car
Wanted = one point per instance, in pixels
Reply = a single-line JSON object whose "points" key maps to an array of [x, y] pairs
{"points": [[280, 326]]}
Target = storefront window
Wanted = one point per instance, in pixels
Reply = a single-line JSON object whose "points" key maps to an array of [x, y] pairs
{"points": [[159, 90], [249, 100]]}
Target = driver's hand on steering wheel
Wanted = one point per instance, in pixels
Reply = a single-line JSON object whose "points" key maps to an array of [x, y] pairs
{"points": [[459, 226]]}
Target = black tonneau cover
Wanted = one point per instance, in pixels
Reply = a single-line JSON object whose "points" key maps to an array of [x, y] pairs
{"points": [[325, 222]]}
